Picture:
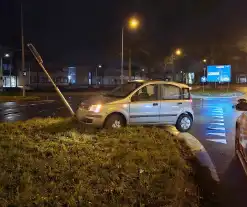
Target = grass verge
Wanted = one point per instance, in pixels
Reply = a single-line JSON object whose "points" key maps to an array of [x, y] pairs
{"points": [[57, 162], [213, 92]]}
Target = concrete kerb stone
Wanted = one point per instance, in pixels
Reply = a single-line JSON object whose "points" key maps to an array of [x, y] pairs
{"points": [[197, 150], [235, 95]]}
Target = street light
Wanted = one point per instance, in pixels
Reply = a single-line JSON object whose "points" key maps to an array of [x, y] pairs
{"points": [[7, 55], [133, 24], [178, 52], [204, 73]]}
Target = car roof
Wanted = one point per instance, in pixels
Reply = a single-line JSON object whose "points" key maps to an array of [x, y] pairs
{"points": [[180, 85]]}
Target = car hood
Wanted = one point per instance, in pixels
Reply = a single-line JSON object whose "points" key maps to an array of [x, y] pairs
{"points": [[101, 99]]}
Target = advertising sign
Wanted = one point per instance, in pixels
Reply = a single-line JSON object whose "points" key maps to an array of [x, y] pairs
{"points": [[219, 73]]}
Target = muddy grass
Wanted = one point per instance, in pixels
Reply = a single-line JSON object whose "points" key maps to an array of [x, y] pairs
{"points": [[57, 162]]}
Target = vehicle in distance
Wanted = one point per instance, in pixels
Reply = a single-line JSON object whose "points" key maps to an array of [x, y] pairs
{"points": [[140, 103]]}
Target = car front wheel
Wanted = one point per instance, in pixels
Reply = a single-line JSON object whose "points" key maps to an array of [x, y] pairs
{"points": [[184, 123], [114, 121]]}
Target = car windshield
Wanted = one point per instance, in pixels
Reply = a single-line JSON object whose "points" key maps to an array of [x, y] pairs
{"points": [[124, 90]]}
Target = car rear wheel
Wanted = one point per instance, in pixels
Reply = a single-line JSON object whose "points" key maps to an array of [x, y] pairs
{"points": [[184, 123], [114, 121]]}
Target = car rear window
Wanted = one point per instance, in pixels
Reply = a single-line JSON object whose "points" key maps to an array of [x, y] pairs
{"points": [[186, 93]]}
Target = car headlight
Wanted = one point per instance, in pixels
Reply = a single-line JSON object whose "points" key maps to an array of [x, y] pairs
{"points": [[95, 108]]}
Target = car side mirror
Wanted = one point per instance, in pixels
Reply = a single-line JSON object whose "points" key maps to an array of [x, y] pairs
{"points": [[242, 105], [242, 100]]}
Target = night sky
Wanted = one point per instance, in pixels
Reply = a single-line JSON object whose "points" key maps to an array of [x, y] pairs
{"points": [[80, 31]]}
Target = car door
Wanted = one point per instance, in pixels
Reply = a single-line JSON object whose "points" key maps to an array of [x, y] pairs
{"points": [[243, 135], [170, 103], [144, 106]]}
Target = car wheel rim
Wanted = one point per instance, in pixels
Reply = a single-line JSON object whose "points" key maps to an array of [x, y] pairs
{"points": [[116, 124], [185, 123]]}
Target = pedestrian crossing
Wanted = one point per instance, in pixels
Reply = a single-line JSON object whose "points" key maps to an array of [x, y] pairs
{"points": [[216, 131]]}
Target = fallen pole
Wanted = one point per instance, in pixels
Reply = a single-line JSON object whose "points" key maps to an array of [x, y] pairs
{"points": [[40, 62]]}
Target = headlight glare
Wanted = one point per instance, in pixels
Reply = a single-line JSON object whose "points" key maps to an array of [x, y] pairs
{"points": [[95, 108]]}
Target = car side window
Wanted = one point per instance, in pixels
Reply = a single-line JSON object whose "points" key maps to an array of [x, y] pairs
{"points": [[146, 93], [170, 92], [186, 93]]}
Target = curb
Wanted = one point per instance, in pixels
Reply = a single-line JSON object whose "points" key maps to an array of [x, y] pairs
{"points": [[197, 150], [216, 97]]}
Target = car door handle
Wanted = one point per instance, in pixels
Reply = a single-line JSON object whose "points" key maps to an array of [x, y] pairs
{"points": [[180, 103], [155, 104]]}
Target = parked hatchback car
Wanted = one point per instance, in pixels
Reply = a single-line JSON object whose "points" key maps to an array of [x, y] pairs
{"points": [[140, 103]]}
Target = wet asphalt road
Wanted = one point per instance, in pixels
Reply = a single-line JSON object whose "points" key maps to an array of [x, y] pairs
{"points": [[214, 127]]}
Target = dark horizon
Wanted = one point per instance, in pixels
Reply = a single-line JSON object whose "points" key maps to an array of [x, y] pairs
{"points": [[91, 32]]}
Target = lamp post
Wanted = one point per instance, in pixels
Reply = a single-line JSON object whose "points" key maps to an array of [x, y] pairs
{"points": [[22, 55], [96, 74], [204, 73], [178, 52], [133, 24], [6, 55]]}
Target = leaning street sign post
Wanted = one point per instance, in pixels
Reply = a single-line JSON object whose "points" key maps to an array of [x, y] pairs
{"points": [[40, 62]]}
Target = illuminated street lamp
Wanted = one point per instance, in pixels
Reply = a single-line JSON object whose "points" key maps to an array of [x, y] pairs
{"points": [[7, 55], [96, 73], [133, 24], [204, 60], [178, 52]]}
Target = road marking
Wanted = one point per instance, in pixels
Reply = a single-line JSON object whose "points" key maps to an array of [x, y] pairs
{"points": [[219, 120], [217, 123], [222, 141], [220, 117], [217, 128], [217, 110], [220, 134]]}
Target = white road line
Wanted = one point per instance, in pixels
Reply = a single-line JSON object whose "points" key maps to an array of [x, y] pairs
{"points": [[222, 141], [217, 128], [220, 117], [220, 134], [219, 120], [217, 110], [217, 123], [217, 113]]}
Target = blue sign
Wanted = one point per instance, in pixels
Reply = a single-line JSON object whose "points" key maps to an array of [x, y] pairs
{"points": [[219, 73], [203, 79]]}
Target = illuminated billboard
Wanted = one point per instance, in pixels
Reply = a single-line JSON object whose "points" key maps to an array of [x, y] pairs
{"points": [[219, 73]]}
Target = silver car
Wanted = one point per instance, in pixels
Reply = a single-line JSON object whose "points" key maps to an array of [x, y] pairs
{"points": [[140, 103]]}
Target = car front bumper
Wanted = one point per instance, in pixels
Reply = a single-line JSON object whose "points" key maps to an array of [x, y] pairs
{"points": [[90, 118]]}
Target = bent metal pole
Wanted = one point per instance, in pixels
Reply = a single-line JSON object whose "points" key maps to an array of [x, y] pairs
{"points": [[40, 61]]}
